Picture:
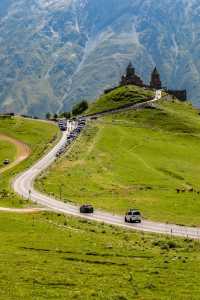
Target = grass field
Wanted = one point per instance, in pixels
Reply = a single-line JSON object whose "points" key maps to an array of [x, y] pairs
{"points": [[119, 97], [39, 136], [49, 256], [148, 159], [7, 151]]}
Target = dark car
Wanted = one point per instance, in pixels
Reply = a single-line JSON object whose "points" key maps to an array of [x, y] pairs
{"points": [[133, 216], [86, 209], [6, 162], [63, 128]]}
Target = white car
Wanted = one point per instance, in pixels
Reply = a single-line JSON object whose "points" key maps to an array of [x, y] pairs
{"points": [[133, 216]]}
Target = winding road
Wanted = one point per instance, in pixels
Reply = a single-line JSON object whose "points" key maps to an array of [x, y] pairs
{"points": [[24, 186]]}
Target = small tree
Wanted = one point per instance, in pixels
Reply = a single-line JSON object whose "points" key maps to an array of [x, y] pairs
{"points": [[55, 116], [48, 116], [79, 108], [66, 115]]}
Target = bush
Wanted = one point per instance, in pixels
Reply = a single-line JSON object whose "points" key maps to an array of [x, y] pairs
{"points": [[79, 108], [48, 116], [166, 245], [66, 115]]}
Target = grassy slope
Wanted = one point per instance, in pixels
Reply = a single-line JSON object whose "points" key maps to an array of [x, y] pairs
{"points": [[120, 97], [7, 151], [38, 135], [136, 159], [56, 257]]}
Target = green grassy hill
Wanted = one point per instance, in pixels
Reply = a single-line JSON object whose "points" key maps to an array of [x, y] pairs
{"points": [[120, 97], [136, 159], [49, 256], [30, 133], [7, 151]]}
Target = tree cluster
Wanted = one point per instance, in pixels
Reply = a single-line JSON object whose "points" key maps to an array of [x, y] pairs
{"points": [[76, 110]]}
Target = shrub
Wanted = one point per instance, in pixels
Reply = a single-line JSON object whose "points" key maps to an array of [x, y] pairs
{"points": [[48, 116], [66, 115], [79, 108], [165, 245]]}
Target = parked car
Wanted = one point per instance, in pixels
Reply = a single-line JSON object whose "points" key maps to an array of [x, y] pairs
{"points": [[86, 209], [81, 124], [6, 161], [63, 128], [133, 216]]}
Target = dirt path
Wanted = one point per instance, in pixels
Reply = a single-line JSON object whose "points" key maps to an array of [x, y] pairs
{"points": [[22, 210], [23, 151]]}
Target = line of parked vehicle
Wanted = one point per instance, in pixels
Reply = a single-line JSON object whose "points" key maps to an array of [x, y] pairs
{"points": [[63, 124], [75, 128]]}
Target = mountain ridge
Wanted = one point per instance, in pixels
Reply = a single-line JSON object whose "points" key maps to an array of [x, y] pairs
{"points": [[55, 53]]}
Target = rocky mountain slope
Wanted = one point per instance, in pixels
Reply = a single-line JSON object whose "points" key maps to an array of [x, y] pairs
{"points": [[55, 52]]}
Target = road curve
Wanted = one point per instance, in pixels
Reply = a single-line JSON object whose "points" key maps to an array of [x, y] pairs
{"points": [[23, 151], [23, 185]]}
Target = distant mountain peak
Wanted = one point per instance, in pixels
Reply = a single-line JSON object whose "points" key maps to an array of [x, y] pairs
{"points": [[51, 4], [55, 52]]}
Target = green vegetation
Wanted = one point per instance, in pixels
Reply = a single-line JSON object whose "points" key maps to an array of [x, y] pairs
{"points": [[49, 256], [79, 108], [48, 116], [7, 151], [119, 97], [148, 159], [66, 115], [38, 135]]}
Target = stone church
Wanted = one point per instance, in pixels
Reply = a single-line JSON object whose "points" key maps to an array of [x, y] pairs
{"points": [[130, 77], [155, 82]]}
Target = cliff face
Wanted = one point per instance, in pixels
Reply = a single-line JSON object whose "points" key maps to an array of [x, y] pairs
{"points": [[55, 52]]}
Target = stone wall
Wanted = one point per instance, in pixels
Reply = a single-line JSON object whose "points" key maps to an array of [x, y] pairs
{"points": [[179, 94]]}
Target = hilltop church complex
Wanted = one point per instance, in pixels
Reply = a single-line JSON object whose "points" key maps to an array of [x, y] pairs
{"points": [[130, 77]]}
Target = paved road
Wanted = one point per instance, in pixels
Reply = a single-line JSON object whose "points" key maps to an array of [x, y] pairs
{"points": [[23, 185]]}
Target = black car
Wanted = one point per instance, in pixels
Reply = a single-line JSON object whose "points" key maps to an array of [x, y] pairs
{"points": [[63, 128], [86, 209], [6, 161]]}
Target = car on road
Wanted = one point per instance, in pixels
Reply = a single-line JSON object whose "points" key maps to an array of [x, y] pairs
{"points": [[82, 124], [6, 161], [133, 216], [86, 209], [63, 128]]}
